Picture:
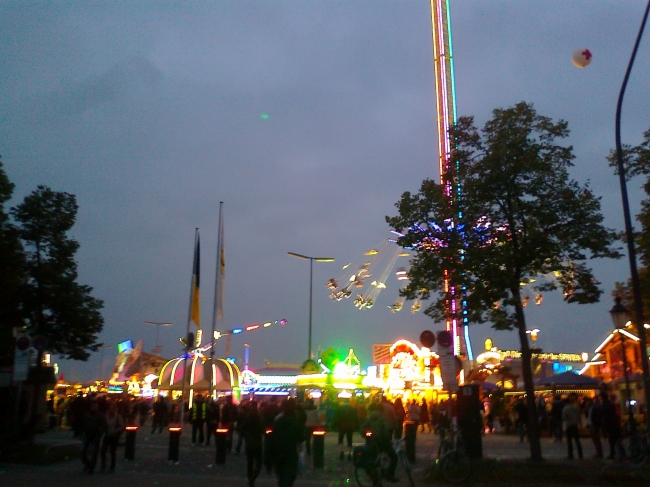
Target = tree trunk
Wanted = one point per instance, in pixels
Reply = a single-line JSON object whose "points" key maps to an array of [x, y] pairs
{"points": [[526, 355]]}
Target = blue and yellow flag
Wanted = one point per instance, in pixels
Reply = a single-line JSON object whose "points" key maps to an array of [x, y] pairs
{"points": [[196, 285]]}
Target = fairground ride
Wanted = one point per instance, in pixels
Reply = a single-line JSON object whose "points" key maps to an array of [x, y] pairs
{"points": [[456, 319]]}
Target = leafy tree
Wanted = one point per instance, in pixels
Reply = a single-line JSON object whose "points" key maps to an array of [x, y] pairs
{"points": [[636, 160], [56, 305], [11, 274], [522, 217]]}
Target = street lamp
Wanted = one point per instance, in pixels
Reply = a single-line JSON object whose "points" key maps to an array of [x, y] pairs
{"points": [[157, 325], [533, 334], [621, 317], [629, 232], [311, 283]]}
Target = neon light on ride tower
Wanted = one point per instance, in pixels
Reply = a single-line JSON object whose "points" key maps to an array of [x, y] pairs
{"points": [[446, 103]]}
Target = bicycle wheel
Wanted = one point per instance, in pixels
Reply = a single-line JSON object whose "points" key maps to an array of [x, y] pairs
{"points": [[366, 477], [455, 466], [444, 447], [407, 467]]}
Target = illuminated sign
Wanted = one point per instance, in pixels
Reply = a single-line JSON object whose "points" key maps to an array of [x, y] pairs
{"points": [[124, 346], [553, 357]]}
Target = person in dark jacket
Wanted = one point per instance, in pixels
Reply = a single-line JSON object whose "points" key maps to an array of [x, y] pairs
{"points": [[400, 417], [252, 431], [198, 414], [611, 424], [595, 423], [228, 420], [522, 416], [286, 439], [382, 429], [345, 420], [94, 427], [211, 420], [556, 417], [159, 413]]}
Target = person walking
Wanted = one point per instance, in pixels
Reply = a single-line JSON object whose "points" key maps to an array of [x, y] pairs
{"points": [[94, 427], [521, 414], [424, 415], [114, 428], [571, 420], [414, 413], [611, 425], [197, 416], [311, 423], [228, 420], [253, 432], [400, 416], [556, 418], [285, 442], [211, 420], [345, 420], [159, 412], [382, 427], [595, 424]]}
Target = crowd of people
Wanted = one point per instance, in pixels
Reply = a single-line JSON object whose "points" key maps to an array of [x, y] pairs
{"points": [[565, 418], [100, 420]]}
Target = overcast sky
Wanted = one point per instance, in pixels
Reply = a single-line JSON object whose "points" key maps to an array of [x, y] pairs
{"points": [[151, 113]]}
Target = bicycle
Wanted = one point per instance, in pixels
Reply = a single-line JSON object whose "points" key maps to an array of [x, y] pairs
{"points": [[453, 462], [371, 465], [635, 448]]}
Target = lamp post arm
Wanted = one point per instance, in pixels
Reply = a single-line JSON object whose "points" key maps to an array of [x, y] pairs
{"points": [[636, 287]]}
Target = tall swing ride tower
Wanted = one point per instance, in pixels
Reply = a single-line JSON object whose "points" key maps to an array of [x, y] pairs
{"points": [[443, 60]]}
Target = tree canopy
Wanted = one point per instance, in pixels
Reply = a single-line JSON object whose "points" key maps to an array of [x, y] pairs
{"points": [[517, 217], [38, 275]]}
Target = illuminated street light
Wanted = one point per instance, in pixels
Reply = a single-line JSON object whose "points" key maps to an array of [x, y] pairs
{"points": [[533, 334], [311, 282], [157, 325], [621, 317]]}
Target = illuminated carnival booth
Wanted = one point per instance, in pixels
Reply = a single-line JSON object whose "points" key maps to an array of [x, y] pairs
{"points": [[272, 380], [198, 373], [331, 378], [405, 370]]}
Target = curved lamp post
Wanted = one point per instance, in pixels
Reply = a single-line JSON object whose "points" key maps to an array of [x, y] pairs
{"points": [[629, 232], [311, 282]]}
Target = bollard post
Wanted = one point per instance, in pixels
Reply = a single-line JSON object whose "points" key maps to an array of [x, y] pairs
{"points": [[318, 449], [129, 447], [221, 440], [174, 442], [410, 433], [268, 457]]}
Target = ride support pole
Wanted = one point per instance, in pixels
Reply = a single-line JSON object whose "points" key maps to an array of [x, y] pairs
{"points": [[318, 450], [268, 456], [221, 440], [129, 447], [175, 431]]}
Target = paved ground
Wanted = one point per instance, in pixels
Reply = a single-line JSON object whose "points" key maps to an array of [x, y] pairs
{"points": [[196, 465]]}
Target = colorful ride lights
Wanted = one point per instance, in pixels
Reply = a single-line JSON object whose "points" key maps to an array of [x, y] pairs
{"points": [[255, 326]]}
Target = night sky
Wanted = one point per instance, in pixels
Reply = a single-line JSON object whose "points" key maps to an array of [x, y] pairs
{"points": [[308, 119]]}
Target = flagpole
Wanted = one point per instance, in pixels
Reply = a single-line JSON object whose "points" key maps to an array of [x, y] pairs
{"points": [[187, 331], [217, 289]]}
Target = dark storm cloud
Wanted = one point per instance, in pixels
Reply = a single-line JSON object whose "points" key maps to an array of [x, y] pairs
{"points": [[151, 114]]}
